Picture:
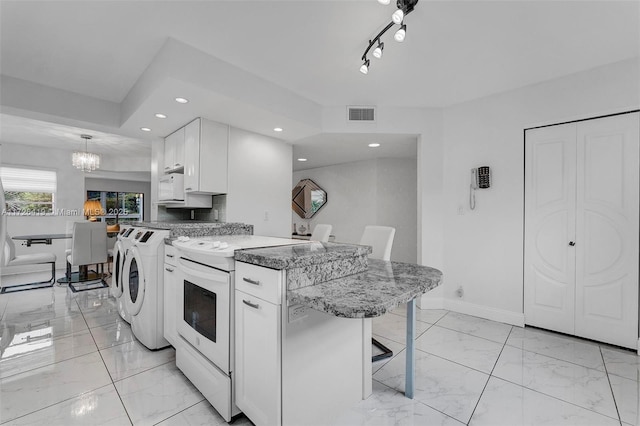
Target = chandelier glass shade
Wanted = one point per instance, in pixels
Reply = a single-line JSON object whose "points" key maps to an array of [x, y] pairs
{"points": [[84, 160]]}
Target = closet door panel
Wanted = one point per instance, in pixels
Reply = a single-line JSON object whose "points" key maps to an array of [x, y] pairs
{"points": [[607, 229], [549, 226]]}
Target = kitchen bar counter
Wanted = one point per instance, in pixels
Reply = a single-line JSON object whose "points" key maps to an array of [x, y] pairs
{"points": [[382, 287], [290, 257], [339, 280]]}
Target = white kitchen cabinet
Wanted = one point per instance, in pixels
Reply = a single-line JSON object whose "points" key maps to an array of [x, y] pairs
{"points": [[258, 342], [294, 365], [174, 151], [170, 295], [205, 156]]}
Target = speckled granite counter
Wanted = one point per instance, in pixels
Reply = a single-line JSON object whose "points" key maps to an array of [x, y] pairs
{"points": [[311, 263], [199, 229], [382, 287]]}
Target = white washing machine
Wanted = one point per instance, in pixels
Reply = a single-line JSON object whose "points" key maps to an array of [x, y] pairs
{"points": [[118, 280], [144, 287]]}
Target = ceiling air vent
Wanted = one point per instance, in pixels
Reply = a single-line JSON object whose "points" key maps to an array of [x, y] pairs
{"points": [[361, 113]]}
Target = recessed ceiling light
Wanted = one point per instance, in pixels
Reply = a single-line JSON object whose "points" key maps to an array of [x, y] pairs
{"points": [[145, 129], [302, 159], [182, 100], [277, 129], [374, 145], [158, 115]]}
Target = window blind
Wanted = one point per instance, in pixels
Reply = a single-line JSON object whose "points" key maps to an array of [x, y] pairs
{"points": [[28, 180]]}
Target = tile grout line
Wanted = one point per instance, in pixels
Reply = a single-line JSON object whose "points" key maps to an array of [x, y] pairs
{"points": [[613, 395], [105, 367], [490, 376]]}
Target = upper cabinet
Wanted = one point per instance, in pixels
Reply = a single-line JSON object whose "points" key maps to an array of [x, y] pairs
{"points": [[205, 157], [174, 151]]}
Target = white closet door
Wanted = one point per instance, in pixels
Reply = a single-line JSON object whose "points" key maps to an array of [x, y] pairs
{"points": [[550, 183], [607, 230]]}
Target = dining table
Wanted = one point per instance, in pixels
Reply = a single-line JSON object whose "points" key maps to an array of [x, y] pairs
{"points": [[47, 239]]}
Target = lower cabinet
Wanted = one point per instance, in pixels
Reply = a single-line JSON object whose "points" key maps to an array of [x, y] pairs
{"points": [[258, 367], [170, 295], [294, 365]]}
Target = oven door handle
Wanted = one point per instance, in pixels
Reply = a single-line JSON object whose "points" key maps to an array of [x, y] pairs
{"points": [[210, 274]]}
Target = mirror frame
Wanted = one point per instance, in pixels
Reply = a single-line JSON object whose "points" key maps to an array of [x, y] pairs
{"points": [[299, 194]]}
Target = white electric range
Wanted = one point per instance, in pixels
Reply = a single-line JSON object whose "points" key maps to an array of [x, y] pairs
{"points": [[204, 292]]}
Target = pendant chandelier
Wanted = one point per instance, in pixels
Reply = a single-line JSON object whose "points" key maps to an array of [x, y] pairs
{"points": [[84, 160]]}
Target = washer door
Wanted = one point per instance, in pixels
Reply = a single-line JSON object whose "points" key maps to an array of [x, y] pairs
{"points": [[117, 278], [135, 287]]}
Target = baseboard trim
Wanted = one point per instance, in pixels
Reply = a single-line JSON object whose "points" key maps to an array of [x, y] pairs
{"points": [[431, 302], [500, 315]]}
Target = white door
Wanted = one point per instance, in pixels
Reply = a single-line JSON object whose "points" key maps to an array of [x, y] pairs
{"points": [[550, 185], [581, 228], [607, 229]]}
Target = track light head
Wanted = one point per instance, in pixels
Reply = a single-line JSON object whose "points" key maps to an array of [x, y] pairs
{"points": [[377, 52], [397, 16], [400, 34], [384, 2], [364, 69]]}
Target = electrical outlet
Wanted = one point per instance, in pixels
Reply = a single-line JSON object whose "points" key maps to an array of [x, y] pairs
{"points": [[460, 292], [297, 312]]}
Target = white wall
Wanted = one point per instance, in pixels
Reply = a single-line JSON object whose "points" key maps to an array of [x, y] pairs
{"points": [[259, 191], [70, 196], [483, 249], [372, 192]]}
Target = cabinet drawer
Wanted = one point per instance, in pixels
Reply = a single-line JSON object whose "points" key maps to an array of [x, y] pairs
{"points": [[260, 282], [170, 255]]}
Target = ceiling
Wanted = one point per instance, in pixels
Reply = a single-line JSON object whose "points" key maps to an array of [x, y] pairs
{"points": [[330, 148], [309, 51]]}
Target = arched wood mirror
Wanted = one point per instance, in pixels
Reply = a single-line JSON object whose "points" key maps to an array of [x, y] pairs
{"points": [[307, 198]]}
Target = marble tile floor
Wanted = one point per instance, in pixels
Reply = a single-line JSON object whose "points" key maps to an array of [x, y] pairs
{"points": [[69, 359]]}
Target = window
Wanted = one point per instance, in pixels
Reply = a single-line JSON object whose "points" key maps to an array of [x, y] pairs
{"points": [[119, 207], [28, 192]]}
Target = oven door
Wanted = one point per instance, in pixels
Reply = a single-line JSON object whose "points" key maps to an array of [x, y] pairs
{"points": [[204, 310]]}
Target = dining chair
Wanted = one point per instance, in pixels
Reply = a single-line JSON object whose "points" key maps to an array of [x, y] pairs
{"points": [[380, 238], [88, 247], [321, 232], [8, 256]]}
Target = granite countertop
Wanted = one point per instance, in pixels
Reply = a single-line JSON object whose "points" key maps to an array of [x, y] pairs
{"points": [[298, 256], [194, 228], [384, 286]]}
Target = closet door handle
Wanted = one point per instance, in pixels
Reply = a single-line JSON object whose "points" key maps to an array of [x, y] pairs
{"points": [[572, 243]]}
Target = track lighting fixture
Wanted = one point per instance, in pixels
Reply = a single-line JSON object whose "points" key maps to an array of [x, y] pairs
{"points": [[397, 16], [400, 34], [364, 69], [405, 7], [377, 52]]}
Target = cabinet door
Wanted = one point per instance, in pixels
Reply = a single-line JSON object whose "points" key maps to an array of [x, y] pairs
{"points": [[170, 303], [258, 382], [213, 157], [192, 156], [550, 208], [171, 143], [607, 230]]}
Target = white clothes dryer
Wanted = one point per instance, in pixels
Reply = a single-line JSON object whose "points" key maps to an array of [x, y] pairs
{"points": [[118, 280], [144, 288]]}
